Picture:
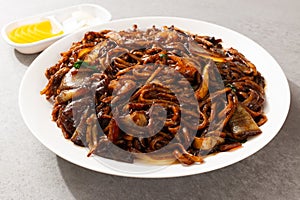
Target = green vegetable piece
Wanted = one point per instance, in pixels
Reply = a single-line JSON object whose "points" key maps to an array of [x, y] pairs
{"points": [[233, 89], [78, 64], [162, 55], [82, 63]]}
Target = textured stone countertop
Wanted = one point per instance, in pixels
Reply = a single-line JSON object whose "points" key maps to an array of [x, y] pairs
{"points": [[28, 170]]}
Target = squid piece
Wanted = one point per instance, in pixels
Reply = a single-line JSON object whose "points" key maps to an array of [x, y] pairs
{"points": [[242, 125]]}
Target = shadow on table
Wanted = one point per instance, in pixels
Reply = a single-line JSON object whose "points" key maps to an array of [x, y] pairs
{"points": [[270, 173], [25, 59], [86, 184]]}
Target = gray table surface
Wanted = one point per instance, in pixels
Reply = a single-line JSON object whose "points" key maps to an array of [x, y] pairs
{"points": [[28, 170]]}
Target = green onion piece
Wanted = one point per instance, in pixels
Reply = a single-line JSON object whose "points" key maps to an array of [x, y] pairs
{"points": [[82, 63], [233, 89], [78, 64], [162, 55]]}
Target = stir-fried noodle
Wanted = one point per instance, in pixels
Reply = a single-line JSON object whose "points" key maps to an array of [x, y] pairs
{"points": [[155, 89]]}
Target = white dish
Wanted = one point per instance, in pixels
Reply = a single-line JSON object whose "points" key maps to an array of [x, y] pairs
{"points": [[64, 19], [36, 111]]}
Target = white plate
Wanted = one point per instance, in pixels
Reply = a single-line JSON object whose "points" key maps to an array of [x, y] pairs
{"points": [[36, 111], [63, 19]]}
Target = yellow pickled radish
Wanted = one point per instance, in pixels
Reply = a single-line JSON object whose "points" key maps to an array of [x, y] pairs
{"points": [[15, 36], [32, 32]]}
